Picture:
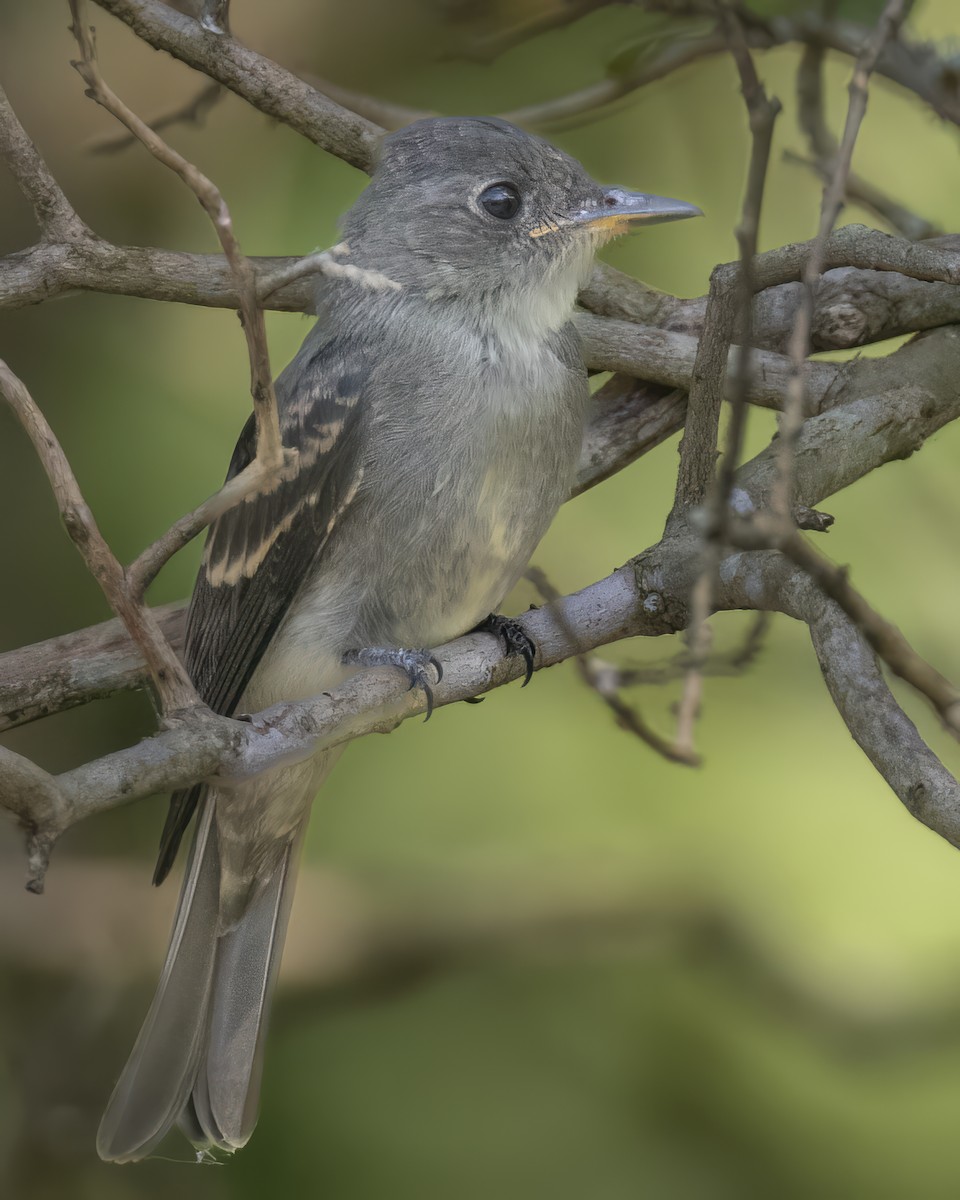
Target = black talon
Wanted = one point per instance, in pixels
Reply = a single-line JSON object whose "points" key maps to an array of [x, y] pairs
{"points": [[514, 639]]}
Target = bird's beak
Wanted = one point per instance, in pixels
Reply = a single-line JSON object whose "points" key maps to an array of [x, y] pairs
{"points": [[618, 210]]}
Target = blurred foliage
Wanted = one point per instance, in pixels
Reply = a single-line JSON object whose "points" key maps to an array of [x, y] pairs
{"points": [[628, 1071]]}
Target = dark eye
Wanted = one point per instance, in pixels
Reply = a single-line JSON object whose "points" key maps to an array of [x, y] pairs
{"points": [[500, 200]]}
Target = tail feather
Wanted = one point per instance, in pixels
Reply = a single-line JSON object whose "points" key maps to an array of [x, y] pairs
{"points": [[199, 1058], [159, 1074], [226, 1096]]}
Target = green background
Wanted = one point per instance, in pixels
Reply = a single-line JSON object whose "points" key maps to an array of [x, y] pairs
{"points": [[529, 958]]}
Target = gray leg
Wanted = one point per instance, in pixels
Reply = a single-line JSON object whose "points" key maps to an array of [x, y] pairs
{"points": [[413, 663]]}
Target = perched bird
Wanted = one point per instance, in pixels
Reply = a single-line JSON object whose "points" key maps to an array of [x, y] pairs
{"points": [[438, 422]]}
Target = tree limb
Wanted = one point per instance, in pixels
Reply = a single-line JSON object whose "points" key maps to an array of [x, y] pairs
{"points": [[797, 406], [173, 686], [53, 211], [261, 82], [856, 684]]}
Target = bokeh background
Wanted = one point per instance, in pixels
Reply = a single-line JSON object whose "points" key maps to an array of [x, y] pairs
{"points": [[528, 957]]}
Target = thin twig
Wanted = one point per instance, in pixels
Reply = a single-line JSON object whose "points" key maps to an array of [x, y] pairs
{"points": [[264, 84], [601, 677], [173, 686], [766, 531], [823, 147], [285, 97], [892, 213], [762, 113], [325, 262], [732, 662], [796, 409], [148, 564], [270, 448], [194, 112], [272, 460]]}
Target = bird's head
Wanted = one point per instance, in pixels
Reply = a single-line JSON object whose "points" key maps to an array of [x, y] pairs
{"points": [[466, 205]]}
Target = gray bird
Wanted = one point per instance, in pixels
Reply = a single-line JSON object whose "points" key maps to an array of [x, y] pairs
{"points": [[438, 423]]}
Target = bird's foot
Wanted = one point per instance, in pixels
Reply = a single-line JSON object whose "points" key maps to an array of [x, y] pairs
{"points": [[413, 663], [514, 639]]}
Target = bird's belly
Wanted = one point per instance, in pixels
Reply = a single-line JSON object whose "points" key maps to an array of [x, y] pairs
{"points": [[463, 551], [442, 532]]}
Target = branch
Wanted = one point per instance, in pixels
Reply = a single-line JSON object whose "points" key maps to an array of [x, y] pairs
{"points": [[679, 360], [631, 417], [194, 112], [372, 701], [171, 681], [739, 287], [823, 146], [270, 457], [856, 684], [261, 82], [76, 668], [766, 532], [31, 795], [53, 211], [796, 408], [698, 449]]}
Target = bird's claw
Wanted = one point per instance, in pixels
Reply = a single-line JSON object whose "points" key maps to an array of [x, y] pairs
{"points": [[413, 663], [514, 639]]}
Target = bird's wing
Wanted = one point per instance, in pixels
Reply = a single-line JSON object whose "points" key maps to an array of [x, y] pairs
{"points": [[260, 551]]}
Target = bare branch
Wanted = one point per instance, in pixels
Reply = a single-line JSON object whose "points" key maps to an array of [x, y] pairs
{"points": [[631, 417], [604, 679], [823, 147], [855, 682], [261, 82], [896, 216], [204, 746], [35, 799], [171, 681], [148, 564], [796, 408], [677, 360], [76, 668], [194, 112], [270, 451], [325, 262], [767, 532], [762, 114], [855, 302], [54, 213], [334, 127]]}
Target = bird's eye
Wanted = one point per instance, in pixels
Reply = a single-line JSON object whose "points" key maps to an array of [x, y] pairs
{"points": [[500, 200]]}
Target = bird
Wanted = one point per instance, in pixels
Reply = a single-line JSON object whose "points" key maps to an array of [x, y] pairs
{"points": [[436, 408]]}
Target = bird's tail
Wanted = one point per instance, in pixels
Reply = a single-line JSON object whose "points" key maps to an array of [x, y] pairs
{"points": [[199, 1057]]}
